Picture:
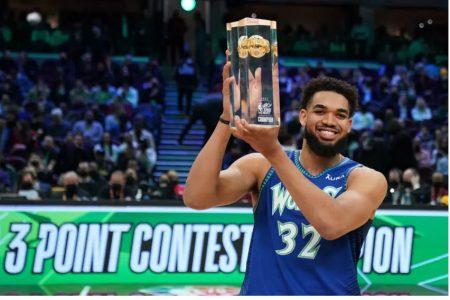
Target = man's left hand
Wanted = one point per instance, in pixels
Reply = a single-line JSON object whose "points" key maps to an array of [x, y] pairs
{"points": [[262, 139]]}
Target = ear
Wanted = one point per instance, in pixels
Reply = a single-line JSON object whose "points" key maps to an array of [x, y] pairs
{"points": [[302, 117], [350, 121]]}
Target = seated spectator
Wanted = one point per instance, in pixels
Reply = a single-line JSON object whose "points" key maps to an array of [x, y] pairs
{"points": [[421, 112], [145, 191], [146, 157], [56, 126], [27, 187], [439, 188], [80, 94], [117, 122], [110, 150], [174, 184], [395, 188], [414, 191], [103, 93], [72, 152], [90, 129], [72, 190], [131, 181], [116, 189], [129, 70], [140, 133], [39, 92], [84, 178], [151, 90], [103, 166], [163, 188], [36, 167], [423, 157], [21, 135], [128, 94], [363, 119], [98, 174], [442, 164], [48, 153], [127, 152]]}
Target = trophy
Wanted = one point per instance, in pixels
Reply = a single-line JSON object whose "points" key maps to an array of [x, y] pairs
{"points": [[254, 92]]}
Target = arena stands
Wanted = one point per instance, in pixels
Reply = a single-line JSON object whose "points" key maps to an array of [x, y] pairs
{"points": [[81, 109]]}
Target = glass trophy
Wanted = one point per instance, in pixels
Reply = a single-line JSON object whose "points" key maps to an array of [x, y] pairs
{"points": [[254, 92]]}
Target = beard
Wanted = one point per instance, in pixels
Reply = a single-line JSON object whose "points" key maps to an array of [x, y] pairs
{"points": [[325, 150]]}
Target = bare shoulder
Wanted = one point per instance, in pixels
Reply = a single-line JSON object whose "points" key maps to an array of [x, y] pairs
{"points": [[365, 173], [367, 179], [254, 163], [253, 160]]}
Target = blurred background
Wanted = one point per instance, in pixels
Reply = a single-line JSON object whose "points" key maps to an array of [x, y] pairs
{"points": [[108, 102], [101, 86]]}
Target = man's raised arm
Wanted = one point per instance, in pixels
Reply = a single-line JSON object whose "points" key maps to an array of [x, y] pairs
{"points": [[207, 186]]}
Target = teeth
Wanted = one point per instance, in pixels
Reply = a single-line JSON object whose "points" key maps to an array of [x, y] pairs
{"points": [[327, 133]]}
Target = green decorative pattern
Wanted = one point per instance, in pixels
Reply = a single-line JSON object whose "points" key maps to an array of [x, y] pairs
{"points": [[179, 246]]}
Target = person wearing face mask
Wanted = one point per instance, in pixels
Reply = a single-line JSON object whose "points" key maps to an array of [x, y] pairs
{"points": [[175, 187], [72, 190], [439, 188], [85, 180], [413, 191], [395, 188], [131, 181], [164, 190], [27, 187], [116, 189]]}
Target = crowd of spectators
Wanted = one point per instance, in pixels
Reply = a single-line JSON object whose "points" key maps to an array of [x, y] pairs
{"points": [[400, 128], [88, 125], [83, 126]]}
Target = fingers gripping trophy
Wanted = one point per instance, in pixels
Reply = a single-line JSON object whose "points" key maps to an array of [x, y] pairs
{"points": [[254, 88]]}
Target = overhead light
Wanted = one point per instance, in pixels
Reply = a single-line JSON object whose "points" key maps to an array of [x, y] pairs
{"points": [[34, 17], [188, 5], [429, 21], [421, 25]]}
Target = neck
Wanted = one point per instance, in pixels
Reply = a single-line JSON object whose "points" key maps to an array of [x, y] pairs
{"points": [[314, 163]]}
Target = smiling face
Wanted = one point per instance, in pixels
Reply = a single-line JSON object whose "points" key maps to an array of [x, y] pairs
{"points": [[327, 123]]}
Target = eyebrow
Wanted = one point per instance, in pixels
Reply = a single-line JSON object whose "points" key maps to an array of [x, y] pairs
{"points": [[321, 106]]}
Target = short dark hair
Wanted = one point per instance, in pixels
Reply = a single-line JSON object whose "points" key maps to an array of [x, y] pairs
{"points": [[330, 84]]}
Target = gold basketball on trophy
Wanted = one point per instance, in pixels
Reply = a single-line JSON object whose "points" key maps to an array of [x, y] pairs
{"points": [[258, 46]]}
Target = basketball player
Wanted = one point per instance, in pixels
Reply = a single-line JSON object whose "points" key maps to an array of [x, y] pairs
{"points": [[312, 208]]}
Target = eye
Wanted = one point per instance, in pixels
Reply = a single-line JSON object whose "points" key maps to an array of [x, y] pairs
{"points": [[341, 116], [319, 112]]}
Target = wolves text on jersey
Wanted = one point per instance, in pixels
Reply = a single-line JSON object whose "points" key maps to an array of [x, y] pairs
{"points": [[281, 198]]}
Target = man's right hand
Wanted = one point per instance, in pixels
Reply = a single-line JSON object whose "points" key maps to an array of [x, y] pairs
{"points": [[227, 82]]}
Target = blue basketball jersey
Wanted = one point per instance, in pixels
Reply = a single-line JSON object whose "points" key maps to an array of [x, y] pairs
{"points": [[287, 256]]}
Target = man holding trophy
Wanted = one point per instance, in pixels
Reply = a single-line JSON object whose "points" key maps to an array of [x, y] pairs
{"points": [[312, 208]]}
